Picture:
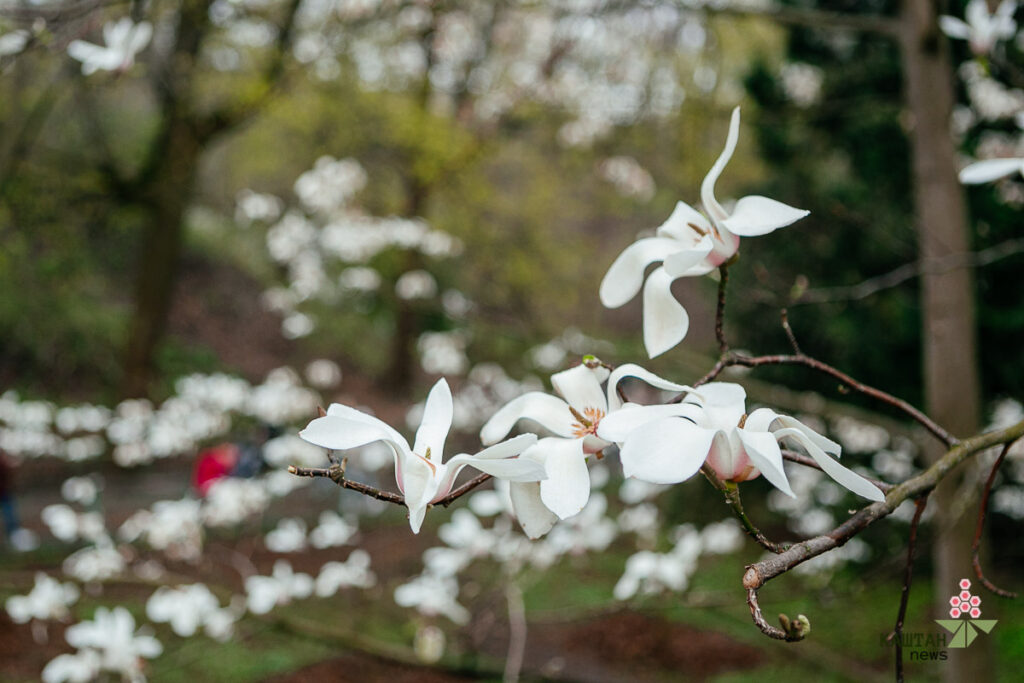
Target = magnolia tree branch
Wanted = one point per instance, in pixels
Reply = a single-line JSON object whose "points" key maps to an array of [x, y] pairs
{"points": [[732, 496], [336, 473], [733, 359], [897, 632], [982, 510], [758, 574]]}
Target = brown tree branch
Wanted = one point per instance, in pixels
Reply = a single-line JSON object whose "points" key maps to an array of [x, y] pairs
{"points": [[897, 632], [733, 358], [759, 573], [982, 509]]}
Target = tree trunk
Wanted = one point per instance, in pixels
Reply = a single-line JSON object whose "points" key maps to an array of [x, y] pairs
{"points": [[952, 393], [166, 199]]}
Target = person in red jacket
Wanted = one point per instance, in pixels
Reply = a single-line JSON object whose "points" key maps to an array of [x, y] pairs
{"points": [[213, 464]]}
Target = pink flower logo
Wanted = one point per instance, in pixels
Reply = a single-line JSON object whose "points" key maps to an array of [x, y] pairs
{"points": [[965, 604]]}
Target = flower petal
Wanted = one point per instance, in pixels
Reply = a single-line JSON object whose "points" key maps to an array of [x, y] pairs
{"points": [[665, 451], [679, 225], [626, 274], [633, 370], [665, 320], [581, 387], [989, 170], [550, 412], [756, 215], [512, 469], [843, 476], [707, 188], [763, 451], [533, 515], [619, 424], [691, 261], [567, 488], [507, 449], [419, 485], [339, 410], [339, 433], [954, 28], [437, 422]]}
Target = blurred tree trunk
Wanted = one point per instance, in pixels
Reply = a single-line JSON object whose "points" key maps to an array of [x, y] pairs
{"points": [[166, 196], [164, 185], [947, 304]]}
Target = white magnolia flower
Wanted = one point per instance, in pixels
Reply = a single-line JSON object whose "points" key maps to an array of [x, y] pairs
{"points": [[187, 609], [574, 421], [14, 42], [334, 530], [124, 39], [688, 244], [48, 599], [264, 593], [81, 667], [112, 634], [982, 30], [422, 476], [990, 169], [288, 537], [433, 595], [667, 444], [354, 572]]}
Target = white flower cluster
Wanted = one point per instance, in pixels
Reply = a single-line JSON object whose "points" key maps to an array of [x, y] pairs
{"points": [[328, 233], [137, 433], [49, 599], [189, 608], [107, 643]]}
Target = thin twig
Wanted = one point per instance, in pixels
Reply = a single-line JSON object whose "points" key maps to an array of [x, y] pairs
{"points": [[908, 575], [982, 510], [759, 573], [732, 497], [336, 474], [789, 333], [799, 359], [463, 490], [723, 345]]}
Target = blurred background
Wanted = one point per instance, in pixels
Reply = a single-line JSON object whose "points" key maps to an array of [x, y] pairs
{"points": [[217, 215]]}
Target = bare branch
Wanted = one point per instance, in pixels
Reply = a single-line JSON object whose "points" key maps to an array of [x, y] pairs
{"points": [[336, 474], [723, 345], [982, 509], [732, 497], [800, 359], [463, 490], [908, 575], [907, 271], [760, 573]]}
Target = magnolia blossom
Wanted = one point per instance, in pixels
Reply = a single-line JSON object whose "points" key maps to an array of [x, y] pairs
{"points": [[667, 444], [688, 244], [990, 169], [48, 599], [187, 608], [124, 39], [264, 593], [111, 633], [422, 476], [574, 421], [982, 30]]}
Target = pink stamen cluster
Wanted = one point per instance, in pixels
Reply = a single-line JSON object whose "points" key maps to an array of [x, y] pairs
{"points": [[964, 603]]}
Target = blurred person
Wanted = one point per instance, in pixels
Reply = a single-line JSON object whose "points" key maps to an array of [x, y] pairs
{"points": [[20, 538], [213, 464]]}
